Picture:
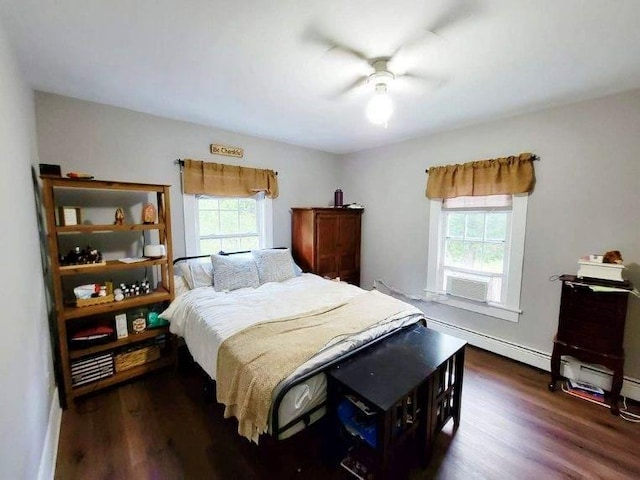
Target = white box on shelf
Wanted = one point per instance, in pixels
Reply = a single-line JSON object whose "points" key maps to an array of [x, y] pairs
{"points": [[121, 325], [603, 271]]}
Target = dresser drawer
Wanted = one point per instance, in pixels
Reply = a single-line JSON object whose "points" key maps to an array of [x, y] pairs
{"points": [[592, 320]]}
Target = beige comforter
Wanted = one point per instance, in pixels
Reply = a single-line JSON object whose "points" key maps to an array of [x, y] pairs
{"points": [[254, 361]]}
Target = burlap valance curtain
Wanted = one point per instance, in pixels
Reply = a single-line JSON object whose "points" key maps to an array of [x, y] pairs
{"points": [[217, 179], [508, 175]]}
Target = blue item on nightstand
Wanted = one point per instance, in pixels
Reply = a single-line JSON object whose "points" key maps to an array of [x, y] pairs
{"points": [[357, 423]]}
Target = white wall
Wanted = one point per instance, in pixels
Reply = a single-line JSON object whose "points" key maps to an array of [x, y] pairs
{"points": [[117, 144], [26, 379], [585, 201]]}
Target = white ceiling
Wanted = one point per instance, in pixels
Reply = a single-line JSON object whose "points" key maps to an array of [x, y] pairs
{"points": [[262, 67]]}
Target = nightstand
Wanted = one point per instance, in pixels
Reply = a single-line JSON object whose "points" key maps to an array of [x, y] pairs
{"points": [[591, 327], [411, 384]]}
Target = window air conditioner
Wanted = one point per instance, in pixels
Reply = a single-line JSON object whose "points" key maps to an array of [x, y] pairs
{"points": [[470, 289]]}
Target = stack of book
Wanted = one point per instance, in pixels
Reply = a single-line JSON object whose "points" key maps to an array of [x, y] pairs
{"points": [[585, 390], [91, 369]]}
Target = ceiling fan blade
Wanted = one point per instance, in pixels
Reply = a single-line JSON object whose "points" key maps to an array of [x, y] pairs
{"points": [[331, 45], [430, 81], [422, 36], [456, 12], [349, 51], [357, 83]]}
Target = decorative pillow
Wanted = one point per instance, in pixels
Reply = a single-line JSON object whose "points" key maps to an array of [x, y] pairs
{"points": [[274, 265], [180, 285], [182, 269], [197, 273], [234, 271]]}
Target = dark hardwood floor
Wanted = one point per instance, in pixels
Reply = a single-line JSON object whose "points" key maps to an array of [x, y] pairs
{"points": [[512, 427]]}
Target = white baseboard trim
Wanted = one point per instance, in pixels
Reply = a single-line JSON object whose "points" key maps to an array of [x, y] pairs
{"points": [[47, 468], [570, 368]]}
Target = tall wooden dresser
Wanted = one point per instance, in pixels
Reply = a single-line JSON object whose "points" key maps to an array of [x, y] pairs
{"points": [[326, 241]]}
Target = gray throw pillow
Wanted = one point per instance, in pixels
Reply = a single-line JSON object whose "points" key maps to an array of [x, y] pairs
{"points": [[234, 271], [274, 265]]}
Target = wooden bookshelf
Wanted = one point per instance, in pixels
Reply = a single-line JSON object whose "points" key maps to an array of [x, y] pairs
{"points": [[67, 316]]}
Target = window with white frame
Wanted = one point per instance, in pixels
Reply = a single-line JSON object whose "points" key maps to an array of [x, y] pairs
{"points": [[476, 247], [229, 224]]}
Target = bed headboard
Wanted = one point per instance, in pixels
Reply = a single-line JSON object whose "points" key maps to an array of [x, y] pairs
{"points": [[183, 259]]}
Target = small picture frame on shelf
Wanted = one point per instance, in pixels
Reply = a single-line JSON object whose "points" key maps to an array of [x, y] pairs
{"points": [[149, 214], [68, 216]]}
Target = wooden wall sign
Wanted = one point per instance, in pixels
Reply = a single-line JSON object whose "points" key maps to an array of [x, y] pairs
{"points": [[228, 151]]}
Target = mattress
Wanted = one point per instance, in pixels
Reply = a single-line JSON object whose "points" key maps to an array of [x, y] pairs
{"points": [[205, 318]]}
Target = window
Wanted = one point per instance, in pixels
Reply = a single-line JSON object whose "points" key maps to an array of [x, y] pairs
{"points": [[476, 247], [214, 224]]}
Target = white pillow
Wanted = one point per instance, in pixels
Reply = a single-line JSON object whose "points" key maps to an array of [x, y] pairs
{"points": [[180, 285], [274, 265], [197, 272], [231, 272]]}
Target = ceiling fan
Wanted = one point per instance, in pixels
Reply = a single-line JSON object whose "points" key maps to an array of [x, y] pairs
{"points": [[380, 106]]}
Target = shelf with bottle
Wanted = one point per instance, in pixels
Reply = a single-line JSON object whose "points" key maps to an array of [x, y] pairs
{"points": [[108, 228], [111, 265], [159, 295]]}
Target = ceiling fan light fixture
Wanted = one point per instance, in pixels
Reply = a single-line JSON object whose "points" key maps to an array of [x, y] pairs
{"points": [[380, 107], [381, 77]]}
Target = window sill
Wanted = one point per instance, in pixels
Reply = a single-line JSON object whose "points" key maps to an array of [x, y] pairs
{"points": [[503, 313]]}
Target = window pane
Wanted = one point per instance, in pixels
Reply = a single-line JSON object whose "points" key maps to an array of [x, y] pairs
{"points": [[209, 222], [209, 246], [228, 203], [247, 205], [454, 253], [233, 220], [496, 226], [208, 203], [229, 222], [249, 243], [475, 226], [231, 244], [473, 255], [493, 257], [455, 225], [248, 222]]}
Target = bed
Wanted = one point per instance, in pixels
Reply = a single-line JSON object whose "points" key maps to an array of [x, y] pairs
{"points": [[212, 318]]}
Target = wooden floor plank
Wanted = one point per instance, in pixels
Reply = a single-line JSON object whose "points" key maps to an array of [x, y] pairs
{"points": [[512, 427]]}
